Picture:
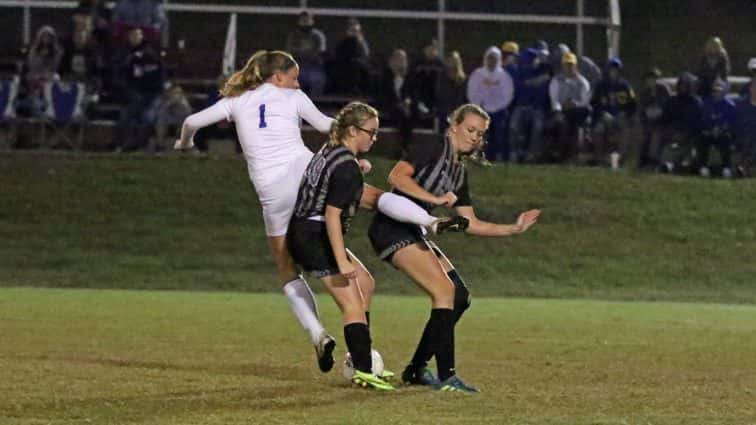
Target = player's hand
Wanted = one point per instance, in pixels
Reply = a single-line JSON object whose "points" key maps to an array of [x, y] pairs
{"points": [[348, 271], [365, 166], [527, 219], [447, 200], [181, 146]]}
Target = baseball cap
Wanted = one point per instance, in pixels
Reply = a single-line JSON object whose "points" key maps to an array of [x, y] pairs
{"points": [[569, 58], [510, 47]]}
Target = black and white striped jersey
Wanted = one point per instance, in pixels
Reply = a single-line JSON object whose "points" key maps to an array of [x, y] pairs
{"points": [[333, 178], [437, 171]]}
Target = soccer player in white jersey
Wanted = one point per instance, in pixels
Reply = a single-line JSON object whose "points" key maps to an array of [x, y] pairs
{"points": [[264, 101]]}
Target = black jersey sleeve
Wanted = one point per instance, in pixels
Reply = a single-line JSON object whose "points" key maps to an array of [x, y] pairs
{"points": [[463, 193], [345, 185], [421, 153]]}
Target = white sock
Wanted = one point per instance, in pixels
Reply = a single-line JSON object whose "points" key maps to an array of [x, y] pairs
{"points": [[302, 303], [402, 209]]}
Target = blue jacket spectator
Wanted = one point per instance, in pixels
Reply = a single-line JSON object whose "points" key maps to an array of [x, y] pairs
{"points": [[614, 94], [719, 116], [530, 106], [614, 105]]}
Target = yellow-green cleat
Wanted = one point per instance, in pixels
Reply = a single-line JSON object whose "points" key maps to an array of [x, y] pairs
{"points": [[386, 375], [368, 380]]}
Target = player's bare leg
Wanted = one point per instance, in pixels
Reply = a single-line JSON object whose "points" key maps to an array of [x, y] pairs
{"points": [[302, 302]]}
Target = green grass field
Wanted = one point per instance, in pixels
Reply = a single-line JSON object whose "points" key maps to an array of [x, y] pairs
{"points": [[162, 357], [184, 223], [650, 319]]}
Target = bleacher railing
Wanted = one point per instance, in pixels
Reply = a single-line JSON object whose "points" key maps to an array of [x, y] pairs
{"points": [[441, 15]]}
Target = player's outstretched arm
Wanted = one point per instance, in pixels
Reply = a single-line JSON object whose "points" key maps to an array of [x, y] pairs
{"points": [[479, 227], [208, 116]]}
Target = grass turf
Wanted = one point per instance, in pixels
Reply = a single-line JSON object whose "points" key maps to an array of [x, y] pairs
{"points": [[170, 357], [183, 223]]}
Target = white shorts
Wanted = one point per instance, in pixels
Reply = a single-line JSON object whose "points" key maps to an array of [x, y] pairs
{"points": [[278, 194]]}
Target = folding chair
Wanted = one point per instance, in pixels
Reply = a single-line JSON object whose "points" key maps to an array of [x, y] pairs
{"points": [[8, 127], [64, 114]]}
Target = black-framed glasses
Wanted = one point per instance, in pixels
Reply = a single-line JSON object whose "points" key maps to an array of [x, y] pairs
{"points": [[373, 133]]}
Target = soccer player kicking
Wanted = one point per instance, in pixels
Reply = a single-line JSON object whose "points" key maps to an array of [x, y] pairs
{"points": [[264, 101], [432, 174], [330, 192]]}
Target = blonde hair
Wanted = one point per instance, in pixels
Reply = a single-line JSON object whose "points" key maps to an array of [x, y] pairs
{"points": [[714, 45], [459, 114], [456, 60], [259, 67], [355, 114]]}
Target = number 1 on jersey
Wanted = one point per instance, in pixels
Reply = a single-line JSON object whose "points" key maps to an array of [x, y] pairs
{"points": [[263, 124]]}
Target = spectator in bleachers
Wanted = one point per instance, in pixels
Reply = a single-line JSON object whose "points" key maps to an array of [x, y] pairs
{"points": [[715, 63], [492, 88], [614, 106], [394, 97], [530, 106], [308, 46], [94, 16], [653, 97], [83, 60], [510, 53], [41, 65], [348, 72], [570, 95], [719, 119], [681, 124], [44, 58], [745, 130], [141, 79], [586, 66], [424, 79], [541, 48], [148, 15], [746, 90], [172, 109], [452, 89], [221, 130]]}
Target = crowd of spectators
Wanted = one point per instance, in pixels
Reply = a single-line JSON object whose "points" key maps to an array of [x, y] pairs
{"points": [[547, 105]]}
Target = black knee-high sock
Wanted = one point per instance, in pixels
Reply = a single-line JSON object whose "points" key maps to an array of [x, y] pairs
{"points": [[357, 337], [442, 340], [423, 353]]}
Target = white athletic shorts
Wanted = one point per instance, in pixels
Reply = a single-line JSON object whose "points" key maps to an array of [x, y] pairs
{"points": [[277, 190]]}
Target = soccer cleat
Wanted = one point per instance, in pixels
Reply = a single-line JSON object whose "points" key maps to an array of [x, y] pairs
{"points": [[368, 380], [324, 352], [422, 376], [458, 223], [454, 384], [386, 375]]}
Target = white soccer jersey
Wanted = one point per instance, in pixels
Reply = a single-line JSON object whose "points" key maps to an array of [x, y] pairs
{"points": [[267, 122]]}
